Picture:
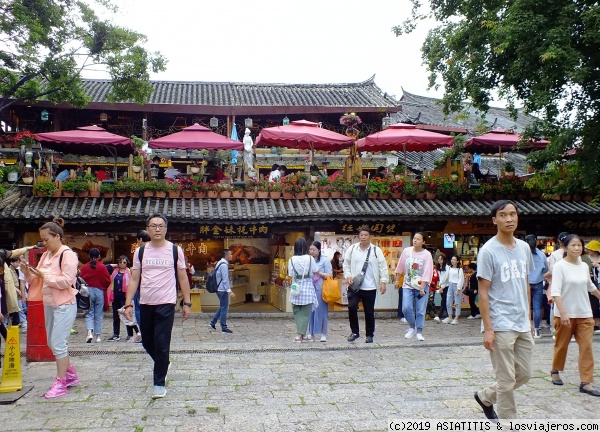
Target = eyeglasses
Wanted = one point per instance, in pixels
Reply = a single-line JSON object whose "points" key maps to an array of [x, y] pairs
{"points": [[154, 227]]}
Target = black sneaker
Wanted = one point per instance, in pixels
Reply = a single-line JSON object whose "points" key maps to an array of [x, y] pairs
{"points": [[369, 339], [212, 325], [113, 338], [127, 338], [489, 411], [226, 330], [353, 337]]}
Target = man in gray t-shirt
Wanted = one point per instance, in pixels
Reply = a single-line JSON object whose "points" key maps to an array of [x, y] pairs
{"points": [[503, 264]]}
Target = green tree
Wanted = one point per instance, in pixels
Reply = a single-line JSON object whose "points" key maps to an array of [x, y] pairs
{"points": [[544, 54], [47, 44]]}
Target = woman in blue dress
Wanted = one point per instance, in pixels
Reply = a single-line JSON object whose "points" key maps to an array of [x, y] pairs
{"points": [[318, 316]]}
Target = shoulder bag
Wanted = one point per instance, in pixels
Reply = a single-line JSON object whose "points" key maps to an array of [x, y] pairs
{"points": [[359, 278], [294, 288]]}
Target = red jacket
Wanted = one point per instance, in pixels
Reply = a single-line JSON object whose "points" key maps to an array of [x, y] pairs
{"points": [[96, 278]]}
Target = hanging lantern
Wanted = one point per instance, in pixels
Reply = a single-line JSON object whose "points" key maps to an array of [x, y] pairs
{"points": [[214, 122], [44, 115], [286, 121], [248, 122], [103, 117]]}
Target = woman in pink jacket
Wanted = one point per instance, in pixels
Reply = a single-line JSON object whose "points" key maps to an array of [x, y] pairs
{"points": [[55, 275]]}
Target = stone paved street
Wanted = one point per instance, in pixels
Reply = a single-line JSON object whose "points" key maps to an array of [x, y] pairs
{"points": [[257, 379]]}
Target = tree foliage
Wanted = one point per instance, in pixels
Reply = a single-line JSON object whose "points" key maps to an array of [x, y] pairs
{"points": [[45, 46], [544, 54]]}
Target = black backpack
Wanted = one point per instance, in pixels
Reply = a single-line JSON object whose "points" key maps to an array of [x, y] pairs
{"points": [[212, 286]]}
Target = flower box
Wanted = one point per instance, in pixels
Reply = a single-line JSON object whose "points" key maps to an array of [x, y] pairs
{"points": [[212, 194], [312, 194], [174, 194], [95, 194], [250, 194], [225, 194], [108, 194], [237, 194], [160, 194], [335, 194], [275, 194], [300, 195], [187, 193], [263, 194]]}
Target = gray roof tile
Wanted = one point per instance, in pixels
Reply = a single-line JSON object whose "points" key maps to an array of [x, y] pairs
{"points": [[428, 111], [364, 94], [100, 210]]}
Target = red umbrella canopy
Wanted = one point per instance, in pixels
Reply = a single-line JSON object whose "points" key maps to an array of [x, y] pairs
{"points": [[501, 140], [87, 140], [195, 137], [402, 136], [303, 134]]}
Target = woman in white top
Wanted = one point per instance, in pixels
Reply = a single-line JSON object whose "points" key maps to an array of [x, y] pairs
{"points": [[573, 315], [301, 268], [456, 282]]}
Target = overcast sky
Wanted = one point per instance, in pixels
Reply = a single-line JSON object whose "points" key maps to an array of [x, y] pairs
{"points": [[268, 41]]}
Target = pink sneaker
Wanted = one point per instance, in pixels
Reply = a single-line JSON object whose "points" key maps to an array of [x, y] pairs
{"points": [[58, 389], [72, 378]]}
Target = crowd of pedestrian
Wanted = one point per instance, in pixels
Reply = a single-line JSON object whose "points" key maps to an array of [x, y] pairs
{"points": [[512, 280]]}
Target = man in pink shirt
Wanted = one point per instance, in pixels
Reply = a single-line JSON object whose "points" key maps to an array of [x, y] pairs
{"points": [[158, 295]]}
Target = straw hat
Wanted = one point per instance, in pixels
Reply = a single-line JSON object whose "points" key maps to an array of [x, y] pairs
{"points": [[594, 245]]}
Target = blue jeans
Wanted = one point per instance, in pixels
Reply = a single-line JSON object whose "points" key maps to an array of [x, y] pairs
{"points": [[223, 309], [93, 319], [136, 306], [23, 313], [414, 308], [537, 300]]}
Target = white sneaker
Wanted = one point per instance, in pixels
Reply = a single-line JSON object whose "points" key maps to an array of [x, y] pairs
{"points": [[310, 338], [403, 320], [454, 321], [478, 316], [98, 339], [536, 334], [437, 319], [410, 333], [323, 338], [543, 325], [470, 317], [596, 332], [420, 337], [446, 320]]}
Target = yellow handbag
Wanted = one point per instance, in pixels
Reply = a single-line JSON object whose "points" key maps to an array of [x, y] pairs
{"points": [[331, 290]]}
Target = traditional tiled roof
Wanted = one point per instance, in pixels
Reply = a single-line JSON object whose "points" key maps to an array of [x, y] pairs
{"points": [[428, 111], [100, 210], [490, 164], [364, 94]]}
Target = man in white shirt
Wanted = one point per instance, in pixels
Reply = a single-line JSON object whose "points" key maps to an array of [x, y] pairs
{"points": [[274, 175]]}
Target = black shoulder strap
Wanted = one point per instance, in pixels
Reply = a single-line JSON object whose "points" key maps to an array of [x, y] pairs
{"points": [[217, 274], [140, 256], [175, 259]]}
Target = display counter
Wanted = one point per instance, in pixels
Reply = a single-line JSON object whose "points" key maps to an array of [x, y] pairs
{"points": [[239, 280], [279, 297]]}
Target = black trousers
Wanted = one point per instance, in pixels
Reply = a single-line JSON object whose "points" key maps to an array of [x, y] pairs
{"points": [[368, 300], [474, 308], [400, 313], [118, 303], [156, 324], [443, 303]]}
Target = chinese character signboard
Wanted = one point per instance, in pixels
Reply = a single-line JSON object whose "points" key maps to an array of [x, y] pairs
{"points": [[377, 228], [231, 230]]}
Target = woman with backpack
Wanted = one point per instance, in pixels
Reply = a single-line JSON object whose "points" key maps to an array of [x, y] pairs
{"points": [[301, 268], [53, 281], [98, 280]]}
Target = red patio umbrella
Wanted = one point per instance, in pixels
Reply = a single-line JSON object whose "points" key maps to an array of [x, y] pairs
{"points": [[502, 140], [402, 136], [87, 140], [303, 134], [195, 137]]}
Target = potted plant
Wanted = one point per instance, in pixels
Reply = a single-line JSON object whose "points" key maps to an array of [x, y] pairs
{"points": [[397, 188], [138, 163], [431, 185], [75, 186], [121, 189], [509, 169], [250, 188], [174, 191], [107, 190], [45, 188], [224, 191], [161, 189], [410, 189], [262, 188], [349, 190], [448, 189], [237, 192], [26, 176], [186, 185], [149, 188], [275, 190], [12, 173], [337, 187]]}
